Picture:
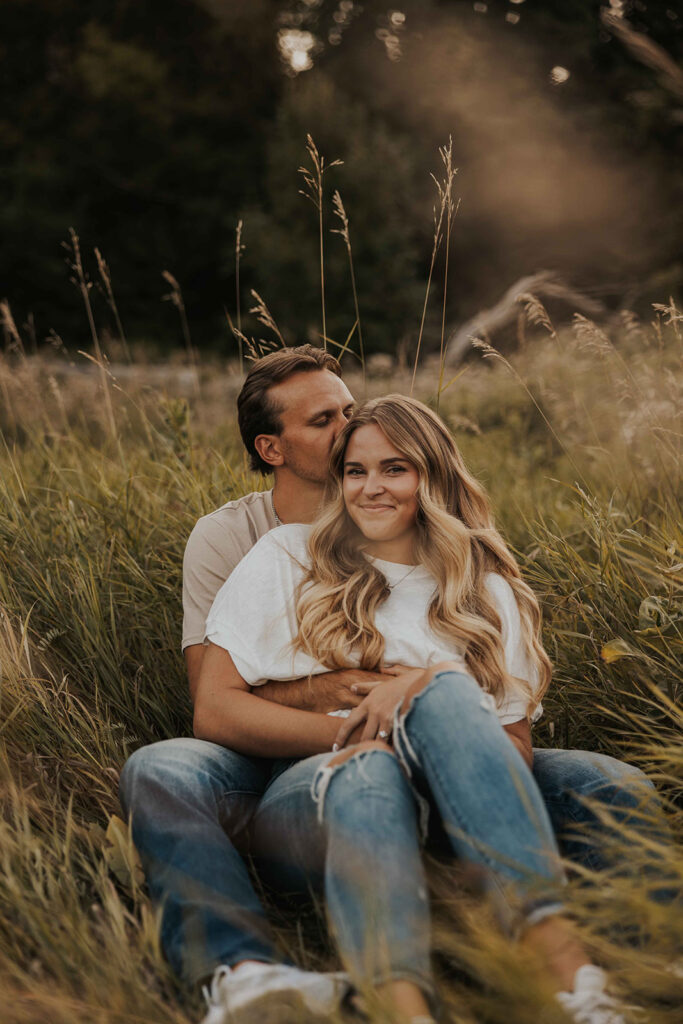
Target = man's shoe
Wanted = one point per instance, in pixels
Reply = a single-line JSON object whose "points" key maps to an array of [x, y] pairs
{"points": [[590, 1003], [258, 993]]}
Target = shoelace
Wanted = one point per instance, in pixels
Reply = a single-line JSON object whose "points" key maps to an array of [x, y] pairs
{"points": [[211, 994]]}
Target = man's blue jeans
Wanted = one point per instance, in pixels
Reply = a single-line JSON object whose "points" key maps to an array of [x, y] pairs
{"points": [[196, 808]]}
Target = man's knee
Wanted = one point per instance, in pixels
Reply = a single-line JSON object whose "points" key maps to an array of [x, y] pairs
{"points": [[588, 774], [183, 767]]}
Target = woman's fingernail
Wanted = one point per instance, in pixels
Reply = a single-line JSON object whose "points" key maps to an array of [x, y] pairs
{"points": [[354, 689], [335, 748]]}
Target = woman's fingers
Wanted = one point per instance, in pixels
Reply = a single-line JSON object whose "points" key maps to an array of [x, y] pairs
{"points": [[348, 725], [371, 728]]}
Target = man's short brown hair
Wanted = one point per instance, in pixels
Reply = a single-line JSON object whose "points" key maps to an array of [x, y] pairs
{"points": [[257, 413]]}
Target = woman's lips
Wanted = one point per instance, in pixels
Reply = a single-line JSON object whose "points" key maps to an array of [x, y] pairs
{"points": [[377, 508]]}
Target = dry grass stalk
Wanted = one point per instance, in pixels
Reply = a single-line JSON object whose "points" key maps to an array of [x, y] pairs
{"points": [[489, 352], [536, 313], [445, 189], [105, 277], [239, 249], [313, 190], [175, 297], [443, 193], [85, 285], [346, 236], [265, 317], [12, 338]]}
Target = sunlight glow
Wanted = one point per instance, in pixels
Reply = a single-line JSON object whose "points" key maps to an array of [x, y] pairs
{"points": [[295, 48], [558, 75]]}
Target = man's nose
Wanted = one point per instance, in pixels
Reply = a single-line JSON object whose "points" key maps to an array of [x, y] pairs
{"points": [[340, 422]]}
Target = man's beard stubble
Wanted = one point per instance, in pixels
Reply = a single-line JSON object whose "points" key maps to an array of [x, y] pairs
{"points": [[313, 472]]}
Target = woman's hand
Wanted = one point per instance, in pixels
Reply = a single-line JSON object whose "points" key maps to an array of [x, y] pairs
{"points": [[377, 708]]}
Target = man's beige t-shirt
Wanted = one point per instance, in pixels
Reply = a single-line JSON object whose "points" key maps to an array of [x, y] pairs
{"points": [[217, 543]]}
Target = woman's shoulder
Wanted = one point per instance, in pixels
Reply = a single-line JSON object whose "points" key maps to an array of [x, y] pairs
{"points": [[289, 541], [275, 563], [498, 587], [504, 598]]}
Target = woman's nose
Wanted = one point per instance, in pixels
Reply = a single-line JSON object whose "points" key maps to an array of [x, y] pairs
{"points": [[373, 483]]}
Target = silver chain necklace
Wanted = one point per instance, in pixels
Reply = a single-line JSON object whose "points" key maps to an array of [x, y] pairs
{"points": [[278, 521], [392, 586]]}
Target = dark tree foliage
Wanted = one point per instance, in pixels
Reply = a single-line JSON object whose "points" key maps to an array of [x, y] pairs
{"points": [[139, 125], [152, 129]]}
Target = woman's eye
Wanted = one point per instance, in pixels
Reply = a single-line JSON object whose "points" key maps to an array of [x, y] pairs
{"points": [[394, 470], [354, 472]]}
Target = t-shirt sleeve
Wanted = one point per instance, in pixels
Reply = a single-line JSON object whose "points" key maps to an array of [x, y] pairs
{"points": [[211, 554], [253, 615], [517, 660]]}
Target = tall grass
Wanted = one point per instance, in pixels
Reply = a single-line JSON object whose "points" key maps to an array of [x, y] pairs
{"points": [[578, 438], [579, 447]]}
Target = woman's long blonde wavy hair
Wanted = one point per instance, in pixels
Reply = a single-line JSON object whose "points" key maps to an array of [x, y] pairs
{"points": [[456, 541]]}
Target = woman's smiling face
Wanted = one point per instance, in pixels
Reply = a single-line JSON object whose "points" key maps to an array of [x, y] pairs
{"points": [[379, 488]]}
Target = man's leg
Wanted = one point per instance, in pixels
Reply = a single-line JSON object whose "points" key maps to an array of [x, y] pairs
{"points": [[189, 802], [579, 786]]}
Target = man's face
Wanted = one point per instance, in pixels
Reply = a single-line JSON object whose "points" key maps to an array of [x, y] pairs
{"points": [[314, 406]]}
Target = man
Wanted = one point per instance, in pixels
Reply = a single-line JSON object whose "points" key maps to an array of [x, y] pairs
{"points": [[191, 801]]}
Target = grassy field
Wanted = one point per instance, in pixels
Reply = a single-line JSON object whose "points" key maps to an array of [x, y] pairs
{"points": [[101, 479]]}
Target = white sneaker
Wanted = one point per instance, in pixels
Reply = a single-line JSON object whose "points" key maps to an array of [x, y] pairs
{"points": [[589, 1003], [256, 993]]}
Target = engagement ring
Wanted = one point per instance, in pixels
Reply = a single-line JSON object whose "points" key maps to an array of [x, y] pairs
{"points": [[383, 734]]}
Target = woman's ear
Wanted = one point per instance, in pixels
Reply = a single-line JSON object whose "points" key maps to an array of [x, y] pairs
{"points": [[269, 449]]}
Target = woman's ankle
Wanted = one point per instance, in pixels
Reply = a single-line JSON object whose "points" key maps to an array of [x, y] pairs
{"points": [[406, 997], [556, 940]]}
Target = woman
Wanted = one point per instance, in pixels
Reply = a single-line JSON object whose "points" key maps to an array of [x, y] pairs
{"points": [[402, 568]]}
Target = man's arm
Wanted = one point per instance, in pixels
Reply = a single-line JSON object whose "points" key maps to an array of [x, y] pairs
{"points": [[226, 712], [329, 691], [194, 655]]}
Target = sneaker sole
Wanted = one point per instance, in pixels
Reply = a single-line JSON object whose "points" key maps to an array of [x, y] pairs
{"points": [[287, 1006]]}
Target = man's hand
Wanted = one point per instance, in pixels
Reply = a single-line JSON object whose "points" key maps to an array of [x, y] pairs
{"points": [[329, 691], [373, 718]]}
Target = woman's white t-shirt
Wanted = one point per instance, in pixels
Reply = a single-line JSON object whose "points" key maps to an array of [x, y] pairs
{"points": [[253, 618]]}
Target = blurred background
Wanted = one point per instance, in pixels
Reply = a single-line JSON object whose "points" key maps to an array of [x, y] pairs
{"points": [[154, 129]]}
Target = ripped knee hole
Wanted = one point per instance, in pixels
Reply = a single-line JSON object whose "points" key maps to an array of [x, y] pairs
{"points": [[358, 748]]}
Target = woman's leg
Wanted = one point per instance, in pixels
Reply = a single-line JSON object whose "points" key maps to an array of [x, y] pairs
{"points": [[448, 737], [348, 822]]}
